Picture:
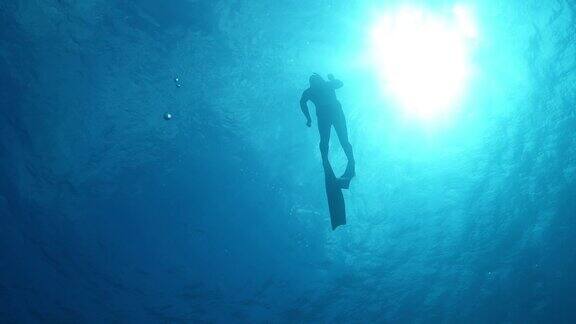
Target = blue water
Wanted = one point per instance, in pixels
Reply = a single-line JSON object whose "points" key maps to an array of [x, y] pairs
{"points": [[111, 214]]}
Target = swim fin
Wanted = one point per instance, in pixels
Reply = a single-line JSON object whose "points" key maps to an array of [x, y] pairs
{"points": [[335, 198]]}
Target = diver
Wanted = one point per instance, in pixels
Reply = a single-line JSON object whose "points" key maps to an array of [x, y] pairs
{"points": [[329, 113]]}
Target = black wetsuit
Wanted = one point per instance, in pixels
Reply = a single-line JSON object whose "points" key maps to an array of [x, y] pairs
{"points": [[329, 113]]}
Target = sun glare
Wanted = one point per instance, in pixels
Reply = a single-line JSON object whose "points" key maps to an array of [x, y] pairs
{"points": [[422, 58]]}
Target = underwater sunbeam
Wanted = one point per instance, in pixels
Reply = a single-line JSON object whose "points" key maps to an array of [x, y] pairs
{"points": [[422, 59]]}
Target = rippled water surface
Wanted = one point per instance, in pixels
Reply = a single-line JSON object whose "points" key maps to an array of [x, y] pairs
{"points": [[112, 213]]}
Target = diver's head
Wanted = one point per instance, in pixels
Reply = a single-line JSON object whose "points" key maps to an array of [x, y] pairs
{"points": [[316, 80]]}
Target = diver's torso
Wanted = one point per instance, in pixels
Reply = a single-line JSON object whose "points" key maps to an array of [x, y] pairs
{"points": [[325, 101]]}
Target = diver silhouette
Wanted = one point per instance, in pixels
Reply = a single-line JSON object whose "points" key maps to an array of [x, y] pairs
{"points": [[329, 113]]}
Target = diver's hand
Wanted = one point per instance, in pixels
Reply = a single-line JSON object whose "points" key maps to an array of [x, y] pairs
{"points": [[309, 123]]}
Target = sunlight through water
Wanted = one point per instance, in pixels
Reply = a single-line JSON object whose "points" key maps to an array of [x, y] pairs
{"points": [[422, 58]]}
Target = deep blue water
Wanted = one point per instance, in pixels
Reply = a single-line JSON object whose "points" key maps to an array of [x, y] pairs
{"points": [[111, 214]]}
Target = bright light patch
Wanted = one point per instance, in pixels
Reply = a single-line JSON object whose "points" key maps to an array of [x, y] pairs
{"points": [[422, 58]]}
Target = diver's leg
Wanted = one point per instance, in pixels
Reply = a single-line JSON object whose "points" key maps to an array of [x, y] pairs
{"points": [[342, 132], [324, 126]]}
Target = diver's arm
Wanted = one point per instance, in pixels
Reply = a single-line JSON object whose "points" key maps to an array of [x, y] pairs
{"points": [[334, 83], [304, 106]]}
